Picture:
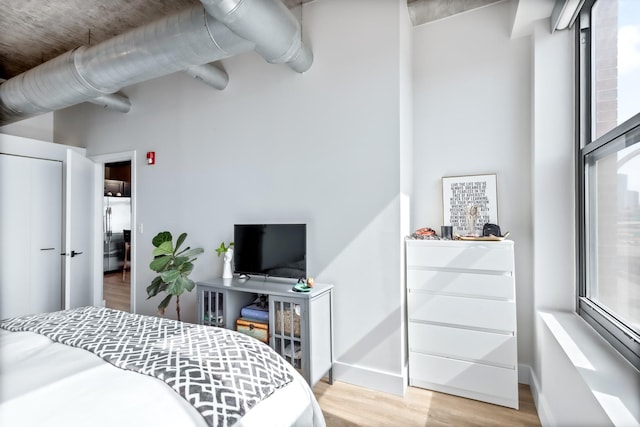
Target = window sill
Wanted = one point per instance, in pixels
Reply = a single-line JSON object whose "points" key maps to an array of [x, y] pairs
{"points": [[612, 380]]}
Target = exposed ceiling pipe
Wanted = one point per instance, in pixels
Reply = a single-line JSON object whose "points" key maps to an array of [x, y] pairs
{"points": [[209, 74], [163, 47], [116, 102], [177, 42], [254, 20], [206, 73]]}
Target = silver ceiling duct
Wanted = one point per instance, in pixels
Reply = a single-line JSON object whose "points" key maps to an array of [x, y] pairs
{"points": [[183, 41], [255, 20], [115, 102], [209, 74]]}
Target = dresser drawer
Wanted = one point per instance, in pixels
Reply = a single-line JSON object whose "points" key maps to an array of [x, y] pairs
{"points": [[497, 385], [494, 256], [457, 283], [468, 312], [474, 346]]}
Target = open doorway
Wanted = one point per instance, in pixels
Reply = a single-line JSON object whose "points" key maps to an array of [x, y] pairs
{"points": [[116, 226]]}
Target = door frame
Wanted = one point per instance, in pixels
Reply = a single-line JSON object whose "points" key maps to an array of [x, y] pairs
{"points": [[98, 201]]}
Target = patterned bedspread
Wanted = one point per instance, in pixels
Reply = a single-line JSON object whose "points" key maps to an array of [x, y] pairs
{"points": [[221, 373]]}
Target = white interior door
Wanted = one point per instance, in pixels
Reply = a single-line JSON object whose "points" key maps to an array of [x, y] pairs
{"points": [[31, 235], [46, 235], [79, 245]]}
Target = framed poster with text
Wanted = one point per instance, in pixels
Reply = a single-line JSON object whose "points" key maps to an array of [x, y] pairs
{"points": [[469, 202]]}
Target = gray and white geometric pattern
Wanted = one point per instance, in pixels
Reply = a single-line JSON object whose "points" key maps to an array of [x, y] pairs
{"points": [[222, 373]]}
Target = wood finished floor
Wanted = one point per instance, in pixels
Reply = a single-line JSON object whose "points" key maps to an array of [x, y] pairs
{"points": [[116, 292], [349, 405]]}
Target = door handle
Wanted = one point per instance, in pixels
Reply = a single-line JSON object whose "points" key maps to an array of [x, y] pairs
{"points": [[73, 253], [47, 249]]}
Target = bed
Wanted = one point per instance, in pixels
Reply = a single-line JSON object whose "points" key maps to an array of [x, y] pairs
{"points": [[102, 367]]}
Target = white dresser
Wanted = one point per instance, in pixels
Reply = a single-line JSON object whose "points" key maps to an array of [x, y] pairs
{"points": [[462, 319]]}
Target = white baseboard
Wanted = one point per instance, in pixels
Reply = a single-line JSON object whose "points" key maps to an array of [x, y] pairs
{"points": [[386, 382], [524, 374], [546, 419], [397, 383]]}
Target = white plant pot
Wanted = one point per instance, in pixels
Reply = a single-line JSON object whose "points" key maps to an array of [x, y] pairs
{"points": [[227, 273]]}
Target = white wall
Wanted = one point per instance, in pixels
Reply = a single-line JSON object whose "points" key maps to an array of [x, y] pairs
{"points": [[553, 169], [38, 127], [275, 146], [406, 161], [561, 393], [472, 116]]}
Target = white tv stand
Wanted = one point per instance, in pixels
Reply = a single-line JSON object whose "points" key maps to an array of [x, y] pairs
{"points": [[300, 323]]}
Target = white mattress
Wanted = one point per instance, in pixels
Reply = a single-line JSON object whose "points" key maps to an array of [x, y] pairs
{"points": [[46, 383]]}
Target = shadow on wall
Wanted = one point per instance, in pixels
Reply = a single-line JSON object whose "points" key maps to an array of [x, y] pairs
{"points": [[375, 336], [368, 292]]}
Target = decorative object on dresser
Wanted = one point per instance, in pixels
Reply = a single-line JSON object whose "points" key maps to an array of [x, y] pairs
{"points": [[174, 268], [469, 202], [425, 233], [227, 251], [462, 319], [300, 323], [446, 232]]}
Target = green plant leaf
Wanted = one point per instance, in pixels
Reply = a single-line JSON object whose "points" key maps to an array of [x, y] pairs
{"points": [[222, 249], [165, 248], [192, 252], [182, 251], [170, 276], [186, 268], [186, 283], [180, 240], [159, 263], [163, 236], [153, 288], [174, 288], [164, 303], [178, 261]]}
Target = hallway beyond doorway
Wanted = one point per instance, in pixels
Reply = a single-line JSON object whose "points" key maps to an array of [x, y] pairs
{"points": [[116, 292]]}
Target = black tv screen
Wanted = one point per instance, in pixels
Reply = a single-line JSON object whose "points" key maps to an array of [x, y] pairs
{"points": [[278, 250]]}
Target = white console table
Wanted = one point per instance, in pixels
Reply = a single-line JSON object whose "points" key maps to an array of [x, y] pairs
{"points": [[300, 323], [462, 319]]}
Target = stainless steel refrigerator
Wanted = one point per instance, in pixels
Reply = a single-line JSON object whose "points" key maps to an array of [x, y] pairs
{"points": [[116, 219]]}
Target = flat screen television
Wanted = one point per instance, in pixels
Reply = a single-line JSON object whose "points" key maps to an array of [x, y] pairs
{"points": [[277, 250]]}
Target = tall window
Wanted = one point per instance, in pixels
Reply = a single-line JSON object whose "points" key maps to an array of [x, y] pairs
{"points": [[608, 46]]}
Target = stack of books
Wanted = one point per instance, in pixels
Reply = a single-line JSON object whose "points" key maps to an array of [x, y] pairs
{"points": [[254, 322], [255, 313]]}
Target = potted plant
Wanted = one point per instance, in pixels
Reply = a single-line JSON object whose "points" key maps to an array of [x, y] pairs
{"points": [[174, 268], [227, 250]]}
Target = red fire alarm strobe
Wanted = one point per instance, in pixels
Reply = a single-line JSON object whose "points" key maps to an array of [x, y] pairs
{"points": [[151, 157]]}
